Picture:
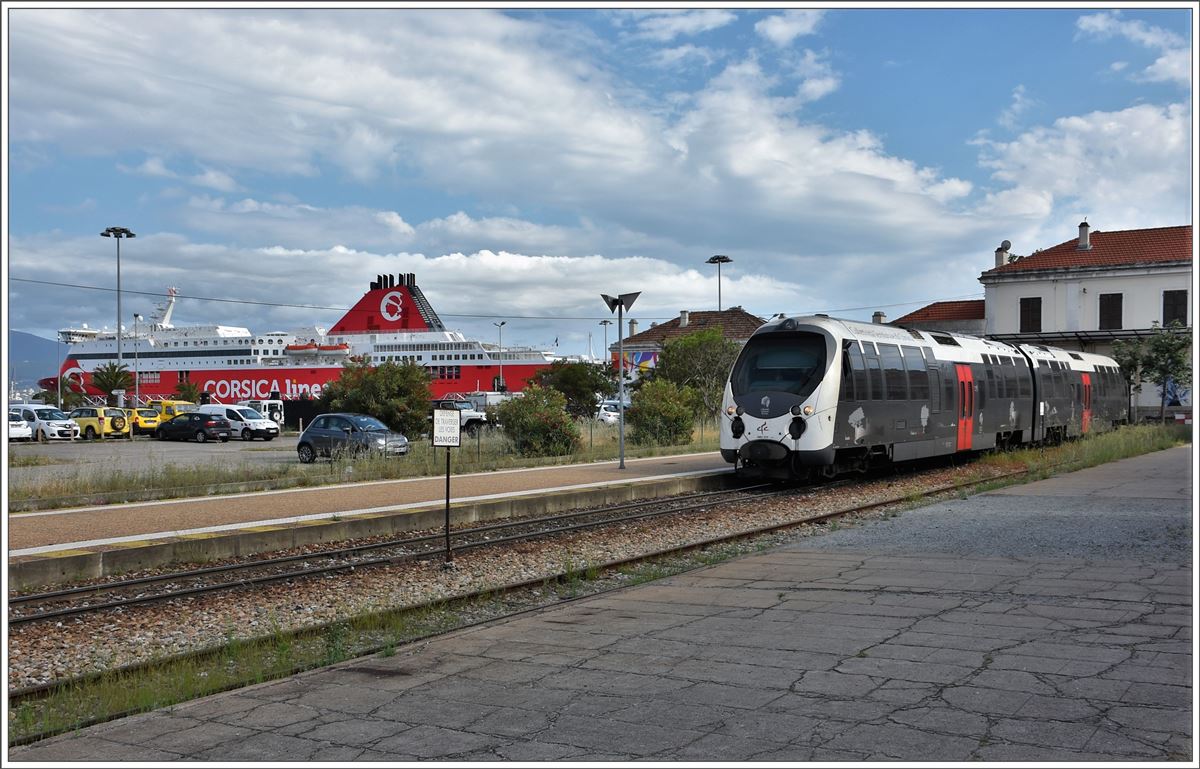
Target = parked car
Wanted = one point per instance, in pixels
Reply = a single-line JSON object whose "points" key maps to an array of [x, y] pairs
{"points": [[144, 420], [193, 424], [18, 429], [329, 434], [46, 422], [244, 421], [169, 408], [102, 422], [271, 409], [608, 413]]}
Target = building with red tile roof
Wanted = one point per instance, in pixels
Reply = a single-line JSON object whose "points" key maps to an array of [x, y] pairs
{"points": [[965, 316], [642, 348]]}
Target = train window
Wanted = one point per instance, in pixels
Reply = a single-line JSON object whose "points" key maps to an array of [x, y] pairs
{"points": [[780, 362], [847, 378], [991, 382], [874, 374], [918, 382], [893, 372], [935, 389], [858, 368], [948, 389], [944, 339]]}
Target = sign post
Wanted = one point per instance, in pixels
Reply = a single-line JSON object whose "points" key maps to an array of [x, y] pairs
{"points": [[447, 431]]}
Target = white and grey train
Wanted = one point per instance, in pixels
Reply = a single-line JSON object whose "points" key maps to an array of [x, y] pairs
{"points": [[819, 395]]}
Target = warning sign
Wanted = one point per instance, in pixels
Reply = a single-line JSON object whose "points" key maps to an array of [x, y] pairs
{"points": [[446, 428]]}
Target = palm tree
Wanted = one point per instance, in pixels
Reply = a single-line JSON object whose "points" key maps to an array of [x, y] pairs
{"points": [[187, 390], [112, 376]]}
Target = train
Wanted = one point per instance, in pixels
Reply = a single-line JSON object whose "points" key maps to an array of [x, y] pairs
{"points": [[817, 396]]}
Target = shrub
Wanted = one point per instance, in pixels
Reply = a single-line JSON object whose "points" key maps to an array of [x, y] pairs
{"points": [[538, 425], [661, 415]]}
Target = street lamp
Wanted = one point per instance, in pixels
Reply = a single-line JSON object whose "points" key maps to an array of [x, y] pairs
{"points": [[118, 233], [500, 327], [620, 304], [719, 259], [137, 380], [606, 323]]}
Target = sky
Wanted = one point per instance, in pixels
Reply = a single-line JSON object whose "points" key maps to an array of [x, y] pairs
{"points": [[521, 162]]}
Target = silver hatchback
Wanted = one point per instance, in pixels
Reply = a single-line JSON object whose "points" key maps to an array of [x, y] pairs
{"points": [[331, 434]]}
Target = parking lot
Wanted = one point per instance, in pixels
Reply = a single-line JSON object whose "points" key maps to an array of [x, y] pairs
{"points": [[144, 453]]}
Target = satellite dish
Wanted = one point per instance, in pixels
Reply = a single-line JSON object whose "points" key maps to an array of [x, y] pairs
{"points": [[1005, 245]]}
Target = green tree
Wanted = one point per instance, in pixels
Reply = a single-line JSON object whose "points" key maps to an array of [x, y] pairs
{"points": [[112, 376], [661, 414], [700, 362], [1167, 360], [187, 390], [1159, 359], [579, 383], [397, 394], [537, 424]]}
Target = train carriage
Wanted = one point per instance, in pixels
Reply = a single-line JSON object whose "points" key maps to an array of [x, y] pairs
{"points": [[822, 395]]}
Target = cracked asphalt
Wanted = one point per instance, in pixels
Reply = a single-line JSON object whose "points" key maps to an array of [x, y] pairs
{"points": [[1048, 622]]}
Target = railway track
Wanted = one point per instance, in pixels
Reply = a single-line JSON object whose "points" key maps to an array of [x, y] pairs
{"points": [[120, 594], [633, 511]]}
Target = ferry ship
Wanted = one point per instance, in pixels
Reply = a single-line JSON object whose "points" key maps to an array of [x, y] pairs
{"points": [[392, 322]]}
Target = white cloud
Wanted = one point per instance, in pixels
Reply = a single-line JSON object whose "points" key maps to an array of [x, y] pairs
{"points": [[665, 26], [784, 28], [817, 77], [1174, 63], [1122, 166], [683, 55], [1020, 104]]}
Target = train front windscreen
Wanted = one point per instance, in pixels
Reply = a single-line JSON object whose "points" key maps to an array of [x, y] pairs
{"points": [[780, 362]]}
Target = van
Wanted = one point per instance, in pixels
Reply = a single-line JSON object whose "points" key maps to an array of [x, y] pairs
{"points": [[168, 408], [244, 421], [45, 421], [271, 409]]}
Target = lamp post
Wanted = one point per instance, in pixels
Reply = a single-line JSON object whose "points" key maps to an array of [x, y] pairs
{"points": [[500, 327], [620, 304], [118, 233], [137, 380], [606, 323], [58, 354], [719, 259]]}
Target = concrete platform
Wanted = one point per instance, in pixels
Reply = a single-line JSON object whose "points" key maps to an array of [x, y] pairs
{"points": [[891, 641], [61, 545]]}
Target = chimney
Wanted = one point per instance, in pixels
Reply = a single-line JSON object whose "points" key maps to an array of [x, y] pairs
{"points": [[878, 318], [1085, 241], [632, 327], [683, 318], [1002, 254]]}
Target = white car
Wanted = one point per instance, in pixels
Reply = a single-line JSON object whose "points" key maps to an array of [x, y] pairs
{"points": [[46, 422], [608, 413], [18, 429]]}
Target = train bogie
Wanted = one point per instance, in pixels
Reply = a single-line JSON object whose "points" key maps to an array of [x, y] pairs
{"points": [[820, 395]]}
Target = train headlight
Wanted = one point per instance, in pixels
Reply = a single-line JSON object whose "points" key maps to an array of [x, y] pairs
{"points": [[737, 427], [730, 411], [795, 410], [808, 411]]}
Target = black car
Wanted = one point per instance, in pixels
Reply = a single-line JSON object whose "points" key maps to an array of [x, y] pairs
{"points": [[331, 434], [193, 424]]}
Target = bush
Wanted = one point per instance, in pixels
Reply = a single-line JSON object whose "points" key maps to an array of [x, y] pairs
{"points": [[538, 425], [661, 415]]}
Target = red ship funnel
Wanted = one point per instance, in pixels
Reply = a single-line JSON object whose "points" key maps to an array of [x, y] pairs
{"points": [[394, 303]]}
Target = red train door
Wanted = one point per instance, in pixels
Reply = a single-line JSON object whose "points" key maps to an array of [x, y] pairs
{"points": [[1087, 402], [966, 406]]}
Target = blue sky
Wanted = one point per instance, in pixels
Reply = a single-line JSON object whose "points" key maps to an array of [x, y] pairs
{"points": [[523, 161]]}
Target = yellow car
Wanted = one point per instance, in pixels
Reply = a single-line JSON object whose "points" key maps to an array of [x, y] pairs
{"points": [[102, 422], [144, 420]]}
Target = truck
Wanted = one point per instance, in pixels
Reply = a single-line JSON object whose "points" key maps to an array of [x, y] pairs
{"points": [[470, 419]]}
